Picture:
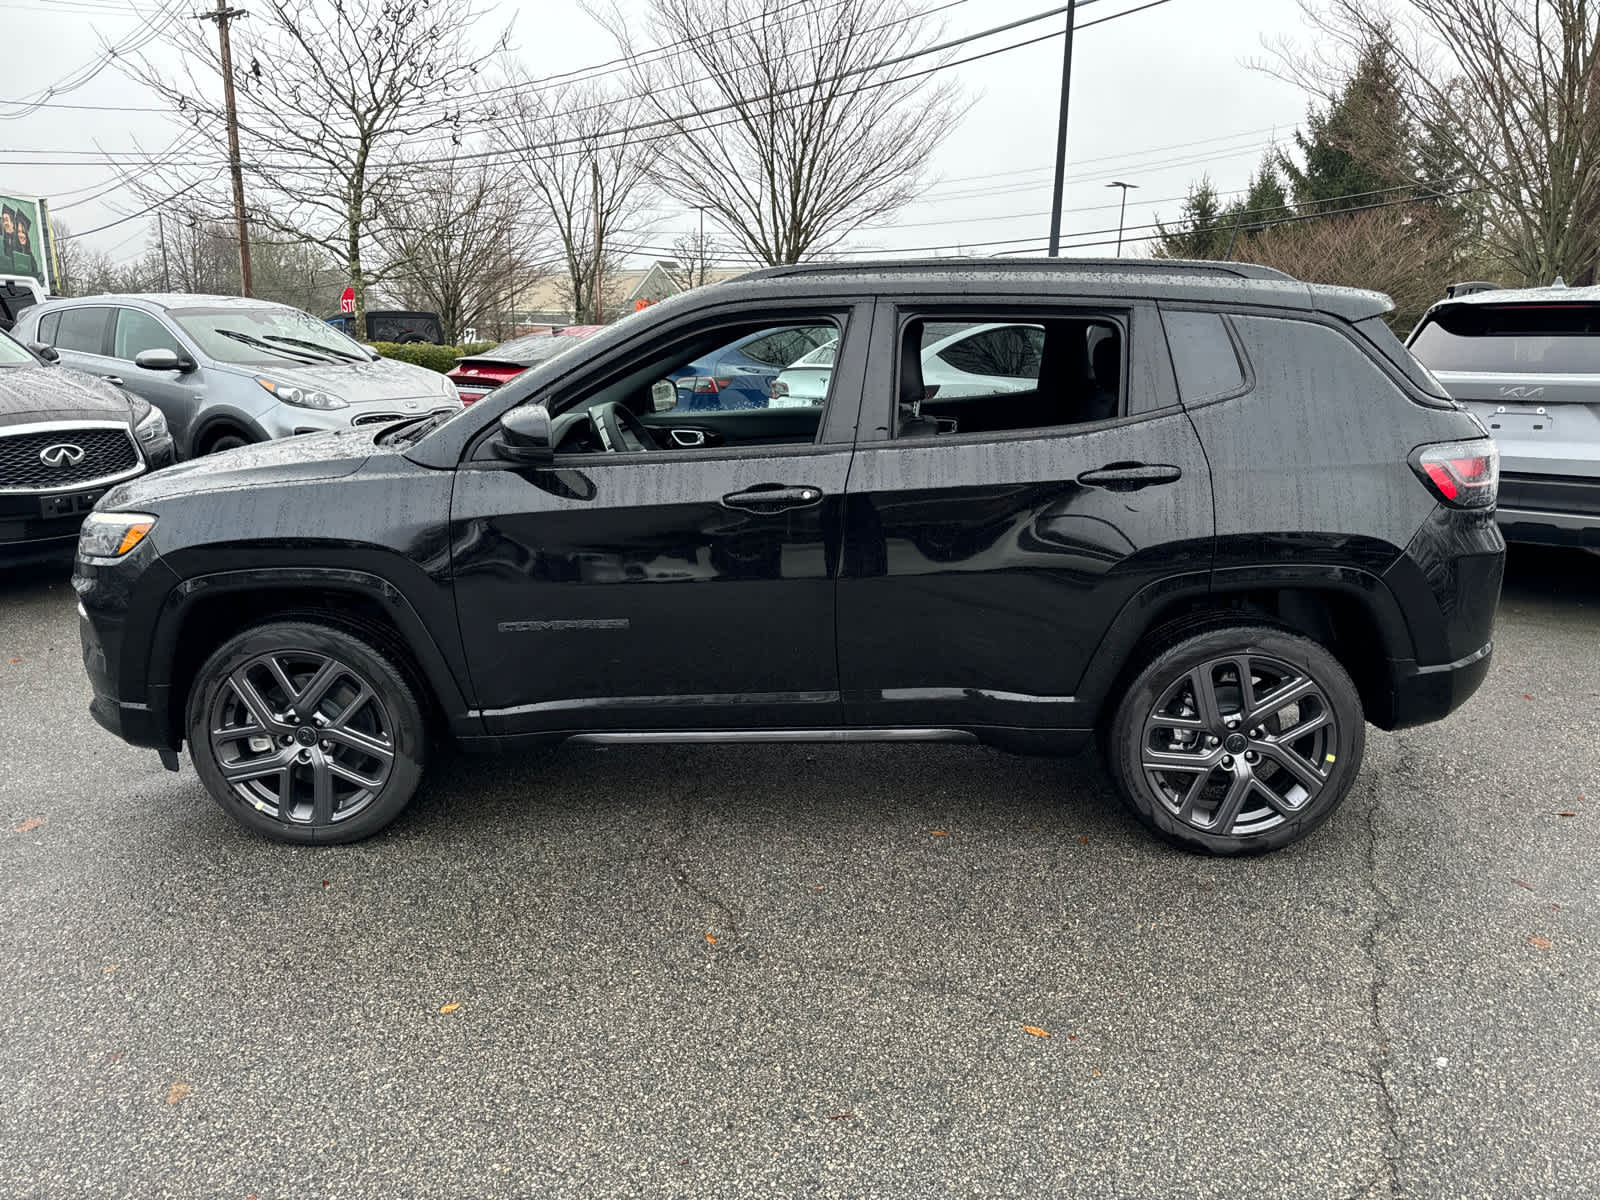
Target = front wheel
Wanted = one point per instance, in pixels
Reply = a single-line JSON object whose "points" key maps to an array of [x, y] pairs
{"points": [[1237, 740], [306, 733]]}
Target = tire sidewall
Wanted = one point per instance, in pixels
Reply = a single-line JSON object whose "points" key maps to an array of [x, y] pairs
{"points": [[410, 742], [1156, 677]]}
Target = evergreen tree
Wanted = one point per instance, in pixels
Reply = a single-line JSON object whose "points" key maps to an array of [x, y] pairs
{"points": [[1359, 145], [1201, 230], [1267, 199]]}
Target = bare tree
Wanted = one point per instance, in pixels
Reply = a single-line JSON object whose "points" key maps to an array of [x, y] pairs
{"points": [[72, 260], [790, 120], [464, 243], [329, 95], [694, 257], [1410, 252], [590, 177], [1506, 93]]}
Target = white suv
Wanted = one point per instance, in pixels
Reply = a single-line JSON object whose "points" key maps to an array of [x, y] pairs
{"points": [[1526, 362]]}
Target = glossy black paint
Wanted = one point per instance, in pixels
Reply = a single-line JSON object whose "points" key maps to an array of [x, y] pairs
{"points": [[981, 571], [660, 589], [995, 583]]}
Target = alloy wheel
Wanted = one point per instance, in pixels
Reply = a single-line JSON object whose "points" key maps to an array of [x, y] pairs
{"points": [[302, 737], [1239, 744]]}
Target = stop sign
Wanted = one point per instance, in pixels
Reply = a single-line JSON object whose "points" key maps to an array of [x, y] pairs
{"points": [[347, 300]]}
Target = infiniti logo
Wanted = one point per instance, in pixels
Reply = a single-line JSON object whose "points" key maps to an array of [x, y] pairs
{"points": [[62, 454]]}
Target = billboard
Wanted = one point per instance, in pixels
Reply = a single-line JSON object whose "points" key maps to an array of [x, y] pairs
{"points": [[25, 239]]}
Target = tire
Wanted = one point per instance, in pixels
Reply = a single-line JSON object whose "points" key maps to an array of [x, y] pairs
{"points": [[350, 766], [228, 439], [1197, 771]]}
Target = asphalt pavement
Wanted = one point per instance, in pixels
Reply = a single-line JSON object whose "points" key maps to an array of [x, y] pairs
{"points": [[807, 971]]}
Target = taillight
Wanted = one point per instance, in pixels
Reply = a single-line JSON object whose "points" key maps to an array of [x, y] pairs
{"points": [[777, 389], [1462, 474]]}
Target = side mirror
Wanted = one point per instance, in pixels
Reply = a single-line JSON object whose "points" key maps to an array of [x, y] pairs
{"points": [[663, 395], [524, 436], [48, 353], [161, 359]]}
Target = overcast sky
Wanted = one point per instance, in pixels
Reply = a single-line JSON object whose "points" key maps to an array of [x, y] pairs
{"points": [[1159, 98]]}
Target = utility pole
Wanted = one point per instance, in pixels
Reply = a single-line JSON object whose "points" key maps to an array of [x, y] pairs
{"points": [[700, 250], [166, 271], [599, 295], [222, 16], [1122, 215], [1061, 135]]}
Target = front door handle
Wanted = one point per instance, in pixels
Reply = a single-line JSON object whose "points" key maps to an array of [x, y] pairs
{"points": [[772, 498], [1130, 477]]}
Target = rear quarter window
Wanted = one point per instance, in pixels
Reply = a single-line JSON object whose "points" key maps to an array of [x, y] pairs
{"points": [[1309, 361], [1382, 339]]}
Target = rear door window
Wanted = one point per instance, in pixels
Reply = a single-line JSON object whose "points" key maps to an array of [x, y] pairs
{"points": [[990, 375], [1552, 339], [83, 330]]}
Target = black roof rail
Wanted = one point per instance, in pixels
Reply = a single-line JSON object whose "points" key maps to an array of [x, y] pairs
{"points": [[1469, 287], [1131, 266]]}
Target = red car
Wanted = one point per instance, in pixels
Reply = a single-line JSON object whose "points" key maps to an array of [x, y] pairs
{"points": [[479, 374]]}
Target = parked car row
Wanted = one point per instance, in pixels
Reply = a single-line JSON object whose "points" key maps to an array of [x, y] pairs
{"points": [[181, 376]]}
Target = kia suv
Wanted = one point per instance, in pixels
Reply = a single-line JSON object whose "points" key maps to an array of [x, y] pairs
{"points": [[228, 372], [1526, 362], [1230, 523]]}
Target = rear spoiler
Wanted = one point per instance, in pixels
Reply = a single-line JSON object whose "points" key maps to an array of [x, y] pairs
{"points": [[1469, 288]]}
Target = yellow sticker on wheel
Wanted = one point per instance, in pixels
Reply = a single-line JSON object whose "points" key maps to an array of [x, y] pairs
{"points": [[1328, 759]]}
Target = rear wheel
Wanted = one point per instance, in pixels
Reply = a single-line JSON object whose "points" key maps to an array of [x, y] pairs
{"points": [[1237, 740], [306, 733]]}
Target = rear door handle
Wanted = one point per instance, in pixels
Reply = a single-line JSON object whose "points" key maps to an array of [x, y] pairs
{"points": [[774, 498], [1130, 477]]}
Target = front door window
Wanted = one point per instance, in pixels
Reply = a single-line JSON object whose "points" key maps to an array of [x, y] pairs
{"points": [[723, 388]]}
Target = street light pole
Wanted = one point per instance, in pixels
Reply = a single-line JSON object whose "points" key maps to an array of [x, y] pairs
{"points": [[1123, 212], [1061, 136]]}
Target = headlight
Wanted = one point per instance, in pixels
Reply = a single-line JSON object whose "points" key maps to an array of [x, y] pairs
{"points": [[112, 534], [303, 397], [152, 426]]}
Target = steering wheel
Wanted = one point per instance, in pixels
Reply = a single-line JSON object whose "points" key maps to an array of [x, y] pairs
{"points": [[622, 429]]}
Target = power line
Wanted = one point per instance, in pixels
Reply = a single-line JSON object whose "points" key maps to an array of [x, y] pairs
{"points": [[149, 208], [142, 35], [674, 121], [1031, 244]]}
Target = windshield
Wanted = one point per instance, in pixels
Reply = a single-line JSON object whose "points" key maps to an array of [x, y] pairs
{"points": [[1552, 339], [266, 336], [535, 348], [13, 355]]}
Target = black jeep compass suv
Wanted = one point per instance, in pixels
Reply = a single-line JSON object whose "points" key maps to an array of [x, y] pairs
{"points": [[1219, 517]]}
